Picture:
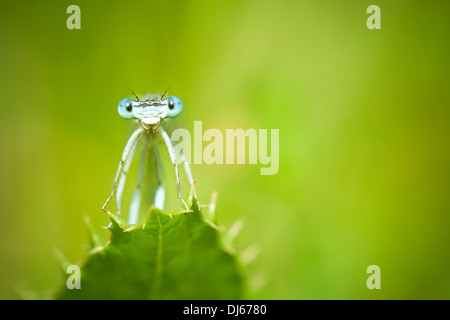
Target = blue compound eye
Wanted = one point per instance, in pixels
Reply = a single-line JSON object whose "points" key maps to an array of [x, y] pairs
{"points": [[126, 108], [175, 106]]}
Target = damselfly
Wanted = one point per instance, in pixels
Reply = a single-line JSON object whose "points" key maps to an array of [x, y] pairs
{"points": [[150, 113]]}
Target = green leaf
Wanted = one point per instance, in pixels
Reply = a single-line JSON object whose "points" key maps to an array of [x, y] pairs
{"points": [[169, 256]]}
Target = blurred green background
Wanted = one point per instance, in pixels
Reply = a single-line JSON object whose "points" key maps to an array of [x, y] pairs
{"points": [[363, 118]]}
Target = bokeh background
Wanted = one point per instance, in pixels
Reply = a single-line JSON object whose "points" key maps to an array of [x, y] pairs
{"points": [[363, 118]]}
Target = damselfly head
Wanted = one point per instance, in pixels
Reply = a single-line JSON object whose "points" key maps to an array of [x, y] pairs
{"points": [[150, 111]]}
